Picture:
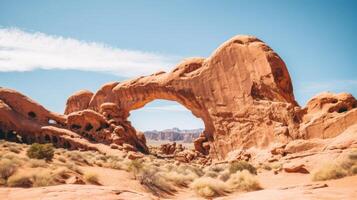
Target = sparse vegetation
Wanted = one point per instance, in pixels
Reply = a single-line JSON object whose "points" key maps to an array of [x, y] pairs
{"points": [[346, 167], [331, 171], [240, 166], [91, 177], [34, 163], [244, 181], [209, 187], [41, 151], [20, 180], [135, 166], [160, 177], [7, 168], [43, 178]]}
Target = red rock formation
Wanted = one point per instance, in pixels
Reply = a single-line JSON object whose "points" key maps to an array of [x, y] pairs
{"points": [[242, 92], [78, 101], [25, 120], [328, 115]]}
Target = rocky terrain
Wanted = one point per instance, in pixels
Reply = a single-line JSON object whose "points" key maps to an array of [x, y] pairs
{"points": [[173, 135], [254, 129]]}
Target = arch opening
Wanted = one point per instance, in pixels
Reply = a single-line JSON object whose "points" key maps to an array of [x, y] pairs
{"points": [[166, 121]]}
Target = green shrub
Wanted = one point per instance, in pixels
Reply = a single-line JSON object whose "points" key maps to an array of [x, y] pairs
{"points": [[41, 151], [240, 166]]}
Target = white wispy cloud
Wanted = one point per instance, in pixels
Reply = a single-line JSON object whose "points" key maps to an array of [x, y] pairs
{"points": [[174, 108], [24, 51]]}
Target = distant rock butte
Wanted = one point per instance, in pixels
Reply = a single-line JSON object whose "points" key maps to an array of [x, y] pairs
{"points": [[242, 92], [173, 135]]}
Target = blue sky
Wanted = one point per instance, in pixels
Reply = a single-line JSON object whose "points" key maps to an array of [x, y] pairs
{"points": [[50, 49]]}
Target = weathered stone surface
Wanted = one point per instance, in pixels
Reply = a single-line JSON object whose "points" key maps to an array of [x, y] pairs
{"points": [[25, 120], [242, 92], [328, 115], [295, 168], [78, 101]]}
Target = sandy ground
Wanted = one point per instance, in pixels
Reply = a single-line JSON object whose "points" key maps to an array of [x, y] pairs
{"points": [[118, 184]]}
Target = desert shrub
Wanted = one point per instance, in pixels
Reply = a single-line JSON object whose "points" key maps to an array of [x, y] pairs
{"points": [[216, 168], [77, 157], [209, 187], [267, 167], [180, 179], [7, 168], [155, 181], [91, 177], [354, 169], [116, 165], [329, 171], [43, 178], [20, 180], [135, 166], [34, 163], [211, 174], [61, 172], [224, 175], [74, 168], [244, 181], [353, 155], [2, 181], [41, 151], [62, 159], [240, 166], [15, 149]]}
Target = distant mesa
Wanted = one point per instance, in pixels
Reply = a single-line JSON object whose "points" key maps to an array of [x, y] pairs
{"points": [[242, 92], [174, 135]]}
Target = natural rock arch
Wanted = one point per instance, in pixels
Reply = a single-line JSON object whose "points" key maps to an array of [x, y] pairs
{"points": [[233, 91], [242, 92]]}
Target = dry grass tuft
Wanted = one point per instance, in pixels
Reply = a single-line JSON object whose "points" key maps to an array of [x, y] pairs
{"points": [[330, 171], [92, 178], [156, 182], [43, 178], [7, 168], [34, 163], [244, 181], [209, 187], [240, 166], [20, 180]]}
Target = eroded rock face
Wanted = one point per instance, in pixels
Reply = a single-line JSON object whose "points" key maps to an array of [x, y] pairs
{"points": [[328, 115], [242, 92], [24, 120], [78, 101]]}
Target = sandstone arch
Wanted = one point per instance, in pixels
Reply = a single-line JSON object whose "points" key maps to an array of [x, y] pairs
{"points": [[233, 92], [242, 92]]}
